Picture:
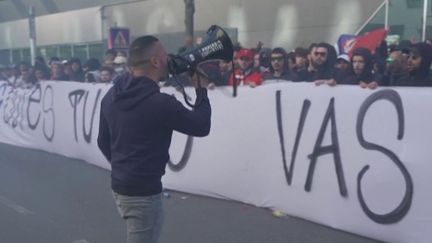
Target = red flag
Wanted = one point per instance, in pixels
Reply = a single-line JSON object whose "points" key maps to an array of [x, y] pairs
{"points": [[370, 40]]}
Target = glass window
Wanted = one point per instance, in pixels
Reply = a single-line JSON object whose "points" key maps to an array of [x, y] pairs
{"points": [[16, 56], [25, 55], [414, 3], [80, 51], [96, 50], [4, 57], [47, 52], [65, 52]]}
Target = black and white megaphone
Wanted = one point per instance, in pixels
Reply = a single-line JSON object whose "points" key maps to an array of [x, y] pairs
{"points": [[216, 45]]}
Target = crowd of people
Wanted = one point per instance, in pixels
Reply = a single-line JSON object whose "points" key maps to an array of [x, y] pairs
{"points": [[25, 75], [405, 64]]}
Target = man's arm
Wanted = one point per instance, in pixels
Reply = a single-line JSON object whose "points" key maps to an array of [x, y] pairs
{"points": [[104, 137], [196, 122]]}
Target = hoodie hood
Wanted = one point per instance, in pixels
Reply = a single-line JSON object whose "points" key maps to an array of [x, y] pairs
{"points": [[425, 51], [128, 91], [368, 59]]}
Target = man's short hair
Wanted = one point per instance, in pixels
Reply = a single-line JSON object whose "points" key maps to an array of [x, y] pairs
{"points": [[139, 50]]}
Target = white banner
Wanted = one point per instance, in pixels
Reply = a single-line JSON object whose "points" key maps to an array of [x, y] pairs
{"points": [[349, 158]]}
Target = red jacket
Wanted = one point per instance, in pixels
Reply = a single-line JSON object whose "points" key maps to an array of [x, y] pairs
{"points": [[245, 79]]}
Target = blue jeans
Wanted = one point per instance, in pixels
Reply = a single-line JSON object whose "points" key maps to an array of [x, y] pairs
{"points": [[143, 216]]}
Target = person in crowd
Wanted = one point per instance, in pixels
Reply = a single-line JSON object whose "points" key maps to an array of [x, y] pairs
{"points": [[14, 74], [343, 62], [120, 65], [291, 58], [110, 55], [77, 73], [107, 74], [58, 71], [213, 74], [92, 72], [362, 69], [3, 73], [312, 57], [67, 67], [26, 78], [418, 66], [135, 129], [41, 65], [279, 69], [121, 54], [265, 60], [301, 63], [40, 75], [396, 67], [342, 68], [225, 69], [245, 74], [188, 44], [52, 60], [323, 59]]}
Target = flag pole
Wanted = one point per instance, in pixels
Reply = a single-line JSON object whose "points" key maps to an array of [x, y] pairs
{"points": [[424, 19]]}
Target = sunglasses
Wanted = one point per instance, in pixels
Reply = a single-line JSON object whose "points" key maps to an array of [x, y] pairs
{"points": [[323, 54], [279, 59]]}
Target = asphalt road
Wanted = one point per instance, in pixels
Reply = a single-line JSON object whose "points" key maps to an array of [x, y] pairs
{"points": [[47, 198]]}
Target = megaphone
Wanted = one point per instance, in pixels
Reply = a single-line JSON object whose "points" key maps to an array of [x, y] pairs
{"points": [[216, 45]]}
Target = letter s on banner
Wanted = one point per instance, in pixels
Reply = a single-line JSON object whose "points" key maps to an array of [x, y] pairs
{"points": [[399, 213]]}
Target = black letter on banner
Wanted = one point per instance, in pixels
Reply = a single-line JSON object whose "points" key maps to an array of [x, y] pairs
{"points": [[75, 98], [306, 105], [331, 149], [184, 159], [49, 110], [87, 136], [4, 86], [36, 100], [403, 208]]}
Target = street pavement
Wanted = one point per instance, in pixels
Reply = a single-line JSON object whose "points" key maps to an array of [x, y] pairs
{"points": [[47, 198]]}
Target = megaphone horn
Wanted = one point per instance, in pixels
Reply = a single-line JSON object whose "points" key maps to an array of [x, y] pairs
{"points": [[217, 45]]}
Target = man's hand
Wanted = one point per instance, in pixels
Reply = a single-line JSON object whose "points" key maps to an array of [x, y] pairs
{"points": [[373, 85], [200, 79], [363, 84]]}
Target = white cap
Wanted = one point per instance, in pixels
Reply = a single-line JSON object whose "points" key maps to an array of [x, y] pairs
{"points": [[120, 60], [344, 57]]}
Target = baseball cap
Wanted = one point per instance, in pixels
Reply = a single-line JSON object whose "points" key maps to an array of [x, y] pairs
{"points": [[120, 60], [245, 53], [344, 57]]}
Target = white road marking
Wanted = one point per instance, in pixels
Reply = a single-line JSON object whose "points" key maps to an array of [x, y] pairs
{"points": [[19, 209]]}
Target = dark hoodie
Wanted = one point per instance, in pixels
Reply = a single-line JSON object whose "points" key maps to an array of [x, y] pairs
{"points": [[327, 69], [367, 74], [135, 130], [419, 77]]}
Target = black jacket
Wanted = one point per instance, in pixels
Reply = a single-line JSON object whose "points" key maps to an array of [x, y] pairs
{"points": [[136, 125]]}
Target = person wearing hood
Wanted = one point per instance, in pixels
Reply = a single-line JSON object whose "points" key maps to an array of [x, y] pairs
{"points": [[135, 130], [321, 69], [418, 67], [362, 69], [77, 73]]}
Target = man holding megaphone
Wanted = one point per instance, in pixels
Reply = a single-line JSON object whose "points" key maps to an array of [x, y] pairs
{"points": [[137, 122]]}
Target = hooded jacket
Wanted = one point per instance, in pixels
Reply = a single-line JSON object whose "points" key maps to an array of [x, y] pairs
{"points": [[136, 125], [326, 70], [419, 77], [367, 74]]}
